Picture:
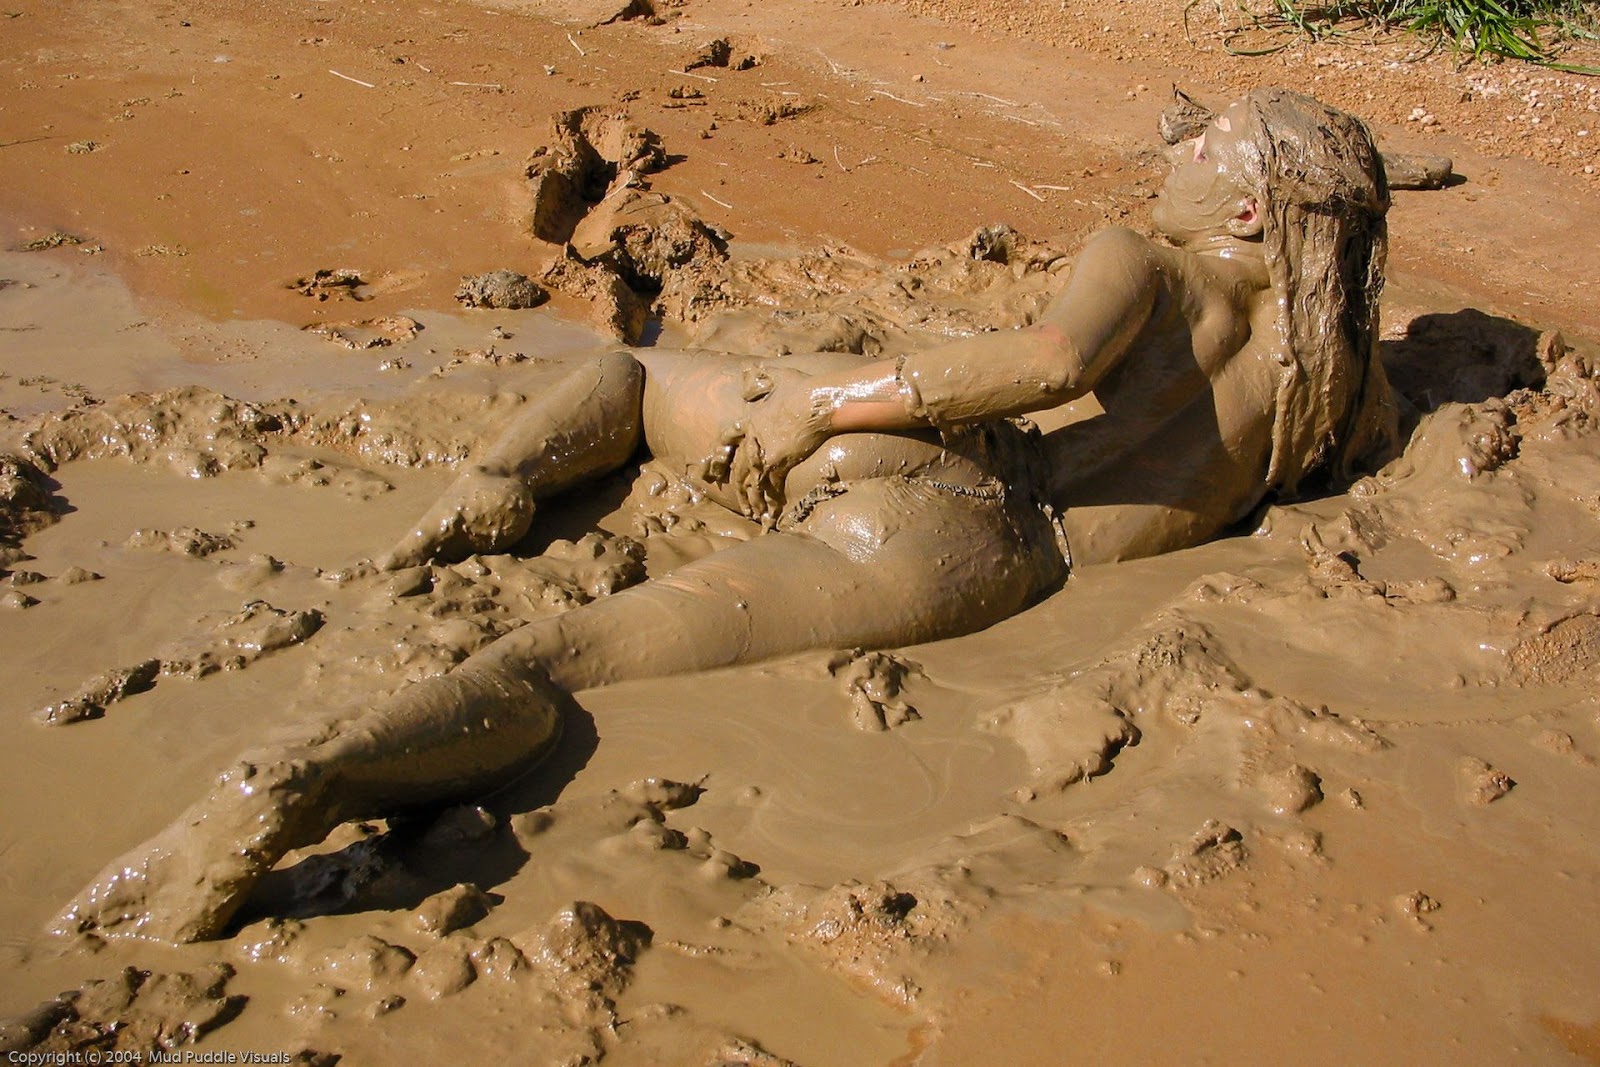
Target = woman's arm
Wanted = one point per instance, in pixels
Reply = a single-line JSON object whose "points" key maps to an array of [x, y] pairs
{"points": [[1084, 332]]}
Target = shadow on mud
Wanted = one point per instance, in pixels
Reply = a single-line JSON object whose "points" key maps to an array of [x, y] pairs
{"points": [[1464, 356]]}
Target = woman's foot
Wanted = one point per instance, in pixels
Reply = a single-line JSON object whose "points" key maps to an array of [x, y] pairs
{"points": [[186, 883]]}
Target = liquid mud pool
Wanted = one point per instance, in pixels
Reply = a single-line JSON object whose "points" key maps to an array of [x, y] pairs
{"points": [[1320, 788]]}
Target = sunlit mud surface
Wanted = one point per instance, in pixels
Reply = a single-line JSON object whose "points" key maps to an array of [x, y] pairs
{"points": [[1376, 713], [1324, 784]]}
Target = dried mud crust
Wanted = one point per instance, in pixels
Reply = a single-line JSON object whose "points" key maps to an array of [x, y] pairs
{"points": [[630, 253], [1501, 108]]}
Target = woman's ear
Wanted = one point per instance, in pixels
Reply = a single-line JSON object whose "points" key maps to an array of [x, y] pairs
{"points": [[1248, 222]]}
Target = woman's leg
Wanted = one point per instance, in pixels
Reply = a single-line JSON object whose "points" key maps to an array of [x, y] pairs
{"points": [[588, 424], [891, 562], [465, 732]]}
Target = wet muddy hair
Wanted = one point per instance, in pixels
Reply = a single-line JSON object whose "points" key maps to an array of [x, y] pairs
{"points": [[1320, 184]]}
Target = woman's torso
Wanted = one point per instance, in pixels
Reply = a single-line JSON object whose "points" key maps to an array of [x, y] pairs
{"points": [[1181, 445]]}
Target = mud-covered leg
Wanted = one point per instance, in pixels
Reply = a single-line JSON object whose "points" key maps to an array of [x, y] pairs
{"points": [[461, 734], [889, 563], [587, 425]]}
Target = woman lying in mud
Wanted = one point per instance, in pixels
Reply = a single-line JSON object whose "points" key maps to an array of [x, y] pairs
{"points": [[902, 505]]}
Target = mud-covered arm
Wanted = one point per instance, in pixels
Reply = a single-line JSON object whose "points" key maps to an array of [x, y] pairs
{"points": [[1084, 332]]}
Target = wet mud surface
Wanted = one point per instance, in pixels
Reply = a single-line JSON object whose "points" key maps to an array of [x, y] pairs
{"points": [[1324, 784]]}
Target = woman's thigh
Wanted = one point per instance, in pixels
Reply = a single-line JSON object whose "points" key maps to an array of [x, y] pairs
{"points": [[886, 562]]}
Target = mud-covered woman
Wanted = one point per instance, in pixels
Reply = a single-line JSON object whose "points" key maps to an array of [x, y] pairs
{"points": [[902, 501]]}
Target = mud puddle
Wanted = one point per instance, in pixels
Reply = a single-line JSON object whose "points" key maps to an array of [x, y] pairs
{"points": [[1342, 742], [1335, 764]]}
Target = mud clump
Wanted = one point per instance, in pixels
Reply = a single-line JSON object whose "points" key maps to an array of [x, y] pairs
{"points": [[1568, 571], [592, 13], [1481, 783], [367, 334], [612, 305], [771, 112], [585, 959], [499, 959], [91, 701], [874, 682], [724, 53], [588, 151], [184, 541], [368, 962], [199, 433], [231, 643], [742, 1052], [837, 300], [57, 239], [501, 289], [1415, 907], [1564, 652], [453, 909], [135, 1012], [443, 970], [646, 237], [24, 505], [1215, 850], [239, 639], [1291, 790], [618, 241], [343, 283], [194, 431], [874, 932]]}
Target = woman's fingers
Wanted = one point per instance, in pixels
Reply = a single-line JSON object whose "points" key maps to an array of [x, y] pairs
{"points": [[771, 495], [748, 467]]}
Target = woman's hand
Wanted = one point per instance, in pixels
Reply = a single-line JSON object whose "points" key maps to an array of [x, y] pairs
{"points": [[779, 429]]}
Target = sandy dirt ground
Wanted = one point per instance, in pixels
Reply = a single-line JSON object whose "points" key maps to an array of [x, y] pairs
{"points": [[1324, 790]]}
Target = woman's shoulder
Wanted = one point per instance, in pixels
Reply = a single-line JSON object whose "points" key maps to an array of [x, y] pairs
{"points": [[1118, 251], [1120, 241]]}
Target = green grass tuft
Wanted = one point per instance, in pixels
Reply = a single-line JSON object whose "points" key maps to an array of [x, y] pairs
{"points": [[1510, 29]]}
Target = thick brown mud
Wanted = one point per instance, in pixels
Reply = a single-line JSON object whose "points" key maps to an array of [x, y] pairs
{"points": [[1325, 783]]}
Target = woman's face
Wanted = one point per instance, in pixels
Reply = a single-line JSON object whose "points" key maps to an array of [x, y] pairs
{"points": [[1207, 194]]}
